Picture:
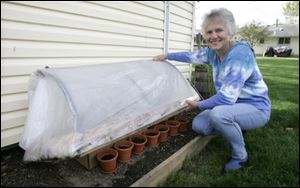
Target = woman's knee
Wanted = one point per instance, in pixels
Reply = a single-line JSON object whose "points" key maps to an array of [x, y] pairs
{"points": [[216, 116], [199, 127]]}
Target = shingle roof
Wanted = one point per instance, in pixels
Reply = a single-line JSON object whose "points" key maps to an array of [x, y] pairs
{"points": [[287, 30]]}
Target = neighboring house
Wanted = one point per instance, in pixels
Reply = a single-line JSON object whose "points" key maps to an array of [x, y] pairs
{"points": [[280, 35], [35, 34]]}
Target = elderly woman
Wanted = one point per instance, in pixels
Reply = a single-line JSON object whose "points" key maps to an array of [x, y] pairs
{"points": [[241, 101]]}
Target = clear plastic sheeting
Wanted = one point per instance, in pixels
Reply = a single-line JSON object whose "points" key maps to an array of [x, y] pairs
{"points": [[73, 110]]}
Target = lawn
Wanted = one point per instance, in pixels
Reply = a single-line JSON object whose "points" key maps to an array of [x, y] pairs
{"points": [[273, 150]]}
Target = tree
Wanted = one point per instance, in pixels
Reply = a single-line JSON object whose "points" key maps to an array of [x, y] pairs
{"points": [[291, 11], [254, 32]]}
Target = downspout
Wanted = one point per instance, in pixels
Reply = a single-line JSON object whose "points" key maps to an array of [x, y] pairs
{"points": [[166, 27]]}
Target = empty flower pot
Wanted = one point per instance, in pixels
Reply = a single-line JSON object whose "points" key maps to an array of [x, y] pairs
{"points": [[183, 124], [108, 160], [124, 148], [174, 126], [152, 136], [139, 142], [164, 132]]}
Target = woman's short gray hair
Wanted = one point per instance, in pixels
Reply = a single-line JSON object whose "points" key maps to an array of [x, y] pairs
{"points": [[223, 14]]}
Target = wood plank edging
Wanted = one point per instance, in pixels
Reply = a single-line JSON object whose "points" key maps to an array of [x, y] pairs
{"points": [[161, 172]]}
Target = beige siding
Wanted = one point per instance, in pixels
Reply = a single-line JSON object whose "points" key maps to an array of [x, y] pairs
{"points": [[260, 48], [13, 119], [295, 45], [35, 34], [181, 31]]}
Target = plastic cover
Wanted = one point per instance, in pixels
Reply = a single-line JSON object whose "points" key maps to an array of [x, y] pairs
{"points": [[73, 110]]}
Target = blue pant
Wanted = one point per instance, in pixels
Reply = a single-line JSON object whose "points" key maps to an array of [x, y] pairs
{"points": [[229, 121]]}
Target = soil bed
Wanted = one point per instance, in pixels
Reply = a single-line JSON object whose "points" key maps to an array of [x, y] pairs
{"points": [[70, 173]]}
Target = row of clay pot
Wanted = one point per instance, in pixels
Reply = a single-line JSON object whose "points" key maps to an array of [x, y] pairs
{"points": [[121, 152], [136, 143], [175, 126]]}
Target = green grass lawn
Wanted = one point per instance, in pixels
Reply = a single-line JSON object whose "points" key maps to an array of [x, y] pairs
{"points": [[273, 150]]}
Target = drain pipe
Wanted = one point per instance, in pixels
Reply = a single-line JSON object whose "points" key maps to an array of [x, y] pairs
{"points": [[166, 27]]}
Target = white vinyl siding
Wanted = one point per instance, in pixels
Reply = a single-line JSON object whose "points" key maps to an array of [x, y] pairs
{"points": [[181, 31], [35, 34]]}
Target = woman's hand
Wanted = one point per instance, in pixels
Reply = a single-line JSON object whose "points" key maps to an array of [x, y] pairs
{"points": [[161, 57], [191, 104]]}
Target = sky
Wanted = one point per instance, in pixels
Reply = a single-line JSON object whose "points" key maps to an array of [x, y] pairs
{"points": [[244, 12]]}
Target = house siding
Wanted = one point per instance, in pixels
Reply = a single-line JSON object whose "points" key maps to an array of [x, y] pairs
{"points": [[68, 33], [182, 27], [273, 42], [277, 31]]}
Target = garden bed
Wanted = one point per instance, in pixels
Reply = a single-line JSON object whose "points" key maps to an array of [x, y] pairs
{"points": [[69, 172]]}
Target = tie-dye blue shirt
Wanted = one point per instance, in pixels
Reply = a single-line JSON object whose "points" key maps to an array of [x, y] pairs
{"points": [[237, 78]]}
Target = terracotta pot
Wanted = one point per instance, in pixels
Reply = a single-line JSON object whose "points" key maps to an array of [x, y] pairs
{"points": [[139, 142], [164, 132], [174, 126], [108, 160], [124, 148], [152, 136], [183, 124]]}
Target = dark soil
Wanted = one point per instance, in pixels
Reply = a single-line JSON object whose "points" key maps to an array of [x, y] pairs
{"points": [[70, 173]]}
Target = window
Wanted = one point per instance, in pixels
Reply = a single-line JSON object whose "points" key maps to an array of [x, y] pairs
{"points": [[284, 40], [280, 41], [287, 40], [261, 41]]}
